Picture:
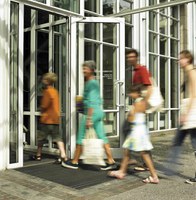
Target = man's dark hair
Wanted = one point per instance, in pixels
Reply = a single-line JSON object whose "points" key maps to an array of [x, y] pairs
{"points": [[136, 88], [132, 51]]}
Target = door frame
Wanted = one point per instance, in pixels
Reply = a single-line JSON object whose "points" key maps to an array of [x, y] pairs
{"points": [[120, 82], [20, 94]]}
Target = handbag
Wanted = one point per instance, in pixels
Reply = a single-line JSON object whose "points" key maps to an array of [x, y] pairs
{"points": [[155, 101], [79, 104], [93, 150]]}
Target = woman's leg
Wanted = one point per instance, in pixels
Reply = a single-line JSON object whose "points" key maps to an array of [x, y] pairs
{"points": [[99, 129], [125, 161], [77, 154], [61, 147], [109, 153], [120, 174], [146, 157], [39, 150]]}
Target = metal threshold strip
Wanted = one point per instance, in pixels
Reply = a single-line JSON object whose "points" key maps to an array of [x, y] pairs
{"points": [[48, 8], [153, 7]]}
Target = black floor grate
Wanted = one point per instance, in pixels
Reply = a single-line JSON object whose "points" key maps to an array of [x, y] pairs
{"points": [[81, 178]]}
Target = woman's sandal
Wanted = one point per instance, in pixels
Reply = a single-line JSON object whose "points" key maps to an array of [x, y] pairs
{"points": [[116, 174], [141, 169], [151, 180], [36, 158]]}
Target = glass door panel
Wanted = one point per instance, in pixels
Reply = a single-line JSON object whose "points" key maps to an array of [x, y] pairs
{"points": [[15, 84], [45, 51], [101, 43], [60, 52], [14, 39]]}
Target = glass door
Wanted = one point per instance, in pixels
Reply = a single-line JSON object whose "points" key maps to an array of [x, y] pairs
{"points": [[102, 39], [45, 43]]}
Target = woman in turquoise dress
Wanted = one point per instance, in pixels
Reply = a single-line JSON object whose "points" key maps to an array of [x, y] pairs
{"points": [[93, 116]]}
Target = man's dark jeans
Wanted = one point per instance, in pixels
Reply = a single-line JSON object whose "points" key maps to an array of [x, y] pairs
{"points": [[181, 135], [176, 148]]}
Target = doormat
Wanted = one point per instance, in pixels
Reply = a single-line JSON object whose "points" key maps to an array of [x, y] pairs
{"points": [[81, 178]]}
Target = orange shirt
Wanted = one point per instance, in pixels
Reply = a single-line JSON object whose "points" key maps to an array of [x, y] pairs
{"points": [[50, 106]]}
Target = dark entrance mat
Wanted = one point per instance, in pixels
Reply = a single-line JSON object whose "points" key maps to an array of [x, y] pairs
{"points": [[81, 178]]}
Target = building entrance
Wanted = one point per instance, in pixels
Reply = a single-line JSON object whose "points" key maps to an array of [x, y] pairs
{"points": [[41, 42]]}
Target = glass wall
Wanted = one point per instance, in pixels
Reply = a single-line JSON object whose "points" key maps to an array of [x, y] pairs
{"points": [[163, 56]]}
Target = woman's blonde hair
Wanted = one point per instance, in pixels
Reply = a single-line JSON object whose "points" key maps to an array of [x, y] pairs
{"points": [[50, 77], [187, 54]]}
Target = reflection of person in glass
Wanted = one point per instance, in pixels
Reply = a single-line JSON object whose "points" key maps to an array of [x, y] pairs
{"points": [[93, 116], [188, 111], [50, 117]]}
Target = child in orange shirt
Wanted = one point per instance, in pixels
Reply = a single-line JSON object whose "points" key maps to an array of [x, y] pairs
{"points": [[50, 117]]}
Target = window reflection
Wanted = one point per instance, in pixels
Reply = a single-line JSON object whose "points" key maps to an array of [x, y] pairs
{"points": [[91, 30], [174, 12], [128, 35], [126, 5], [174, 118], [109, 76], [43, 17], [174, 48], [72, 5], [109, 7], [109, 33], [26, 75], [92, 53], [152, 2], [92, 5], [153, 42], [153, 63], [152, 121], [42, 63], [163, 25], [164, 120], [164, 79], [153, 21], [174, 28], [174, 83], [163, 45], [110, 129]]}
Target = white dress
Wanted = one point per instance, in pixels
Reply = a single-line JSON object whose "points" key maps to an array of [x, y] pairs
{"points": [[138, 139]]}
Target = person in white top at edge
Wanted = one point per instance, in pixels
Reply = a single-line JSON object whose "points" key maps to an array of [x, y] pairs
{"points": [[187, 121]]}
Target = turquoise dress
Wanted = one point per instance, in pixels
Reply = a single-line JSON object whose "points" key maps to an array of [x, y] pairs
{"points": [[92, 99]]}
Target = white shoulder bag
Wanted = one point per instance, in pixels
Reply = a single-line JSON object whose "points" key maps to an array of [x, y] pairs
{"points": [[156, 100]]}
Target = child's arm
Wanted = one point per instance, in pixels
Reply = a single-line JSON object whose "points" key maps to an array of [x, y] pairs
{"points": [[130, 116], [140, 106], [45, 102]]}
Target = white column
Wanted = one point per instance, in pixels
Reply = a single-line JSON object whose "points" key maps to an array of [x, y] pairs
{"points": [[191, 27], [4, 82], [136, 27]]}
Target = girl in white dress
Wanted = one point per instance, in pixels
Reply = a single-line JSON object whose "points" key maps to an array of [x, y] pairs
{"points": [[138, 140]]}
